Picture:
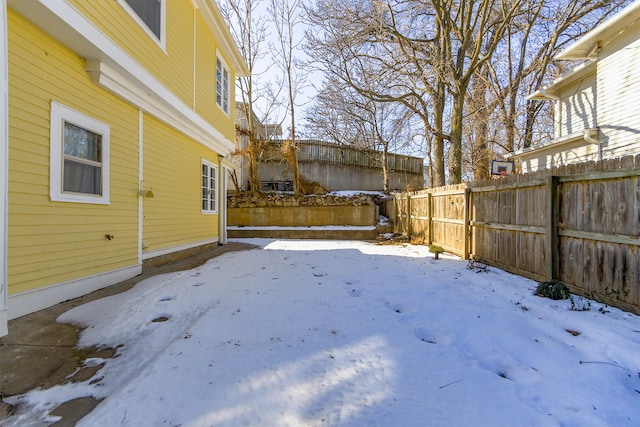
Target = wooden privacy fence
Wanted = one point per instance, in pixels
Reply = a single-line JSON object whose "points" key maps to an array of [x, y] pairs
{"points": [[579, 224], [310, 150]]}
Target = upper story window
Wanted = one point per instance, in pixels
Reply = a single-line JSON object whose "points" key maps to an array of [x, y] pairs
{"points": [[79, 160], [150, 15], [223, 77]]}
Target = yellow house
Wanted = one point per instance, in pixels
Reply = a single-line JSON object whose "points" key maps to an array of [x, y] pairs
{"points": [[119, 118]]}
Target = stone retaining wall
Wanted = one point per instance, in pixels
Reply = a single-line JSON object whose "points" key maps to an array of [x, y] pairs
{"points": [[261, 200]]}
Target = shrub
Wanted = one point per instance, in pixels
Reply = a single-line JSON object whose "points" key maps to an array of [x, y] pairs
{"points": [[435, 249], [553, 289]]}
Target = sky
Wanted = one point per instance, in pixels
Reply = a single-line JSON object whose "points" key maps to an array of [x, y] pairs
{"points": [[349, 333]]}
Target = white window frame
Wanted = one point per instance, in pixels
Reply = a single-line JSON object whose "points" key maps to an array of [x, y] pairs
{"points": [[213, 192], [225, 96], [59, 115], [162, 41]]}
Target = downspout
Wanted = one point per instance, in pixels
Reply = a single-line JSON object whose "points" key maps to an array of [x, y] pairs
{"points": [[141, 245]]}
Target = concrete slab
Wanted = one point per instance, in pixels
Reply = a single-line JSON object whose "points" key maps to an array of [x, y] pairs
{"points": [[38, 352]]}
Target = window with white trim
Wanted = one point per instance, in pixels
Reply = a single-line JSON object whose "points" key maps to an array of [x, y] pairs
{"points": [[149, 14], [223, 77], [209, 187], [79, 157]]}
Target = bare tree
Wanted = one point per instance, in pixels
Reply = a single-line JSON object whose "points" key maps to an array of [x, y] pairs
{"points": [[384, 55], [345, 116], [448, 61], [523, 63], [286, 17], [249, 29], [330, 116]]}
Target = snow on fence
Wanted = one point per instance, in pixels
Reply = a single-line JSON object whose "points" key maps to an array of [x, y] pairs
{"points": [[578, 223]]}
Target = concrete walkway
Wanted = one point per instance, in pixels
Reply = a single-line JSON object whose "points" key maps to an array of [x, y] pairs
{"points": [[38, 352]]}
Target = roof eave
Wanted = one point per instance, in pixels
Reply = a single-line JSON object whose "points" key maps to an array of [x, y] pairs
{"points": [[587, 45]]}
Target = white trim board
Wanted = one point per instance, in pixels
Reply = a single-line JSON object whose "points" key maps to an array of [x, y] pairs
{"points": [[41, 298], [4, 167]]}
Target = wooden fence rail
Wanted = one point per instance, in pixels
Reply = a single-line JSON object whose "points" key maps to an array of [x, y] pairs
{"points": [[579, 224]]}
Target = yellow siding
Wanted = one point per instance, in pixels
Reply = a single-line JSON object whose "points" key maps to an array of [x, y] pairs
{"points": [[172, 168], [53, 242], [206, 82], [206, 74], [173, 68]]}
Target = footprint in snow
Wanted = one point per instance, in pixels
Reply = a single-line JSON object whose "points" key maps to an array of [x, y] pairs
{"points": [[354, 292], [398, 308], [152, 324], [166, 298], [424, 335]]}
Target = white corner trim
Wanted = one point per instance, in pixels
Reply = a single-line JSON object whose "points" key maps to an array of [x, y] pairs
{"points": [[38, 299], [178, 248], [4, 167], [4, 330]]}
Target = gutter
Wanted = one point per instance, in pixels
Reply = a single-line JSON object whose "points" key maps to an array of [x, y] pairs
{"points": [[590, 136]]}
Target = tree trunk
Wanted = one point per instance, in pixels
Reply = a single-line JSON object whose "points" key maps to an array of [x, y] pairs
{"points": [[385, 166], [480, 152], [254, 181], [438, 141], [455, 143]]}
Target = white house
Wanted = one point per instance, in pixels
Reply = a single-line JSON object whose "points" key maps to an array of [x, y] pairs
{"points": [[595, 106]]}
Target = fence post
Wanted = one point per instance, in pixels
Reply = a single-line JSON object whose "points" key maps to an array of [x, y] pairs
{"points": [[430, 218], [466, 228], [409, 216], [551, 243], [395, 213]]}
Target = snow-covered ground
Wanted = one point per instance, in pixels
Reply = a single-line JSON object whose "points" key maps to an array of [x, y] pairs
{"points": [[342, 333]]}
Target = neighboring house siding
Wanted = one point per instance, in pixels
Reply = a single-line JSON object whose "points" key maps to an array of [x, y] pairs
{"points": [[575, 152], [174, 216], [173, 68], [619, 96], [53, 242], [577, 110]]}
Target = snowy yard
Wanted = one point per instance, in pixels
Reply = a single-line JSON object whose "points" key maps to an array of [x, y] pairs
{"points": [[342, 333]]}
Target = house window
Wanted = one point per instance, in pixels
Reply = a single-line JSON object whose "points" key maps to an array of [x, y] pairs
{"points": [[222, 85], [79, 161], [209, 187], [149, 14]]}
